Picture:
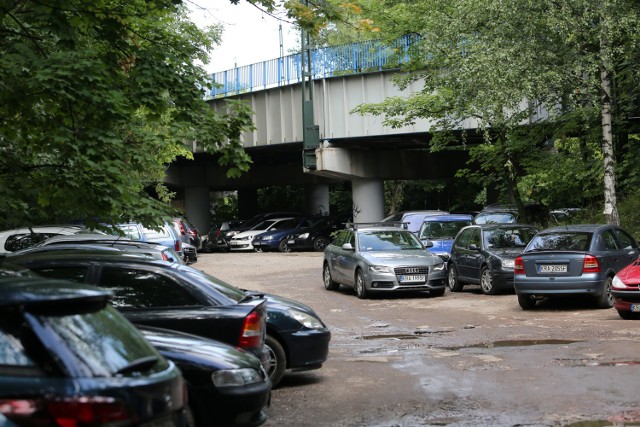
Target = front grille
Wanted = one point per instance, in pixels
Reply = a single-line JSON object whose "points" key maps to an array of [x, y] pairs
{"points": [[411, 270]]}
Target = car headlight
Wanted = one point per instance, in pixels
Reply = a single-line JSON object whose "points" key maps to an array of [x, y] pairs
{"points": [[267, 238], [306, 319], [618, 283], [438, 267], [507, 263], [235, 377], [231, 233], [303, 236], [379, 269]]}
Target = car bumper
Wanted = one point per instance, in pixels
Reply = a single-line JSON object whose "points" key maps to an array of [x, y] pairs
{"points": [[240, 246], [307, 349], [623, 300], [502, 279], [234, 406], [589, 284], [300, 243], [385, 282], [266, 245]]}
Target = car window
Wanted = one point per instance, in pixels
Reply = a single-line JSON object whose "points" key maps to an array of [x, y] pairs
{"points": [[387, 240], [573, 241], [442, 229], [496, 218], [463, 240], [508, 238], [131, 231], [626, 240], [12, 353], [341, 238], [264, 225], [72, 273], [161, 233], [475, 237], [284, 225], [608, 241], [144, 289], [15, 242]]}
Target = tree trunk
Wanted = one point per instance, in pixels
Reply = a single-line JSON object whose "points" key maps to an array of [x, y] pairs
{"points": [[610, 202], [396, 196]]}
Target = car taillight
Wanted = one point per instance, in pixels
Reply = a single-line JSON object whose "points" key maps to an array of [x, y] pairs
{"points": [[66, 412], [591, 264], [518, 266], [181, 228], [177, 245], [252, 331]]}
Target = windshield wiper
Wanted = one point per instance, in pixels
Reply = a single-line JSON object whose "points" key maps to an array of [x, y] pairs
{"points": [[138, 365]]}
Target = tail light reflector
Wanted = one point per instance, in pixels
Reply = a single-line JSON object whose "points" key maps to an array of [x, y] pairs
{"points": [[177, 245], [518, 266], [591, 264], [252, 330]]}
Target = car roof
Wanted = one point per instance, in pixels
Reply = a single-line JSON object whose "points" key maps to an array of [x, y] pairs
{"points": [[493, 226], [89, 254], [448, 217], [30, 292], [577, 228]]}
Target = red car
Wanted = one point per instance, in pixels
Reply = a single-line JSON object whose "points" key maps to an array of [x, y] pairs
{"points": [[625, 290]]}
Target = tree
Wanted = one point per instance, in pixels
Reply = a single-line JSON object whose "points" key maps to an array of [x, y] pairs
{"points": [[96, 99], [512, 66]]}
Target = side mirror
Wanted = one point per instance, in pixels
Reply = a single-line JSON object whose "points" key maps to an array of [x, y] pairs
{"points": [[347, 247], [427, 243]]}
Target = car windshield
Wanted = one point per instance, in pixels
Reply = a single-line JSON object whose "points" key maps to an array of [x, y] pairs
{"points": [[576, 241], [229, 291], [442, 229], [387, 240], [264, 225], [496, 218], [505, 238]]}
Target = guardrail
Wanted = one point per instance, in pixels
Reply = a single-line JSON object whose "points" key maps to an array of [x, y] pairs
{"points": [[326, 62]]}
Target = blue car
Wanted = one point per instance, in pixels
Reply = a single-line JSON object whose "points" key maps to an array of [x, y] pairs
{"points": [[441, 230], [277, 239]]}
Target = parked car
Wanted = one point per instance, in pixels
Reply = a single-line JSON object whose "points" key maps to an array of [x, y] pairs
{"points": [[226, 385], [257, 219], [187, 232], [414, 219], [97, 241], [441, 230], [244, 241], [26, 237], [157, 293], [163, 234], [69, 358], [278, 239], [315, 237], [625, 289], [283, 333], [484, 255], [381, 258], [579, 259], [508, 214], [218, 237]]}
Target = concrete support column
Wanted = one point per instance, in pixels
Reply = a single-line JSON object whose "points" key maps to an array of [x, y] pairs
{"points": [[197, 207], [368, 199], [317, 198], [247, 203]]}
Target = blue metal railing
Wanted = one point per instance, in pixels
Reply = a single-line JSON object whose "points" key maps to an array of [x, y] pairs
{"points": [[326, 62]]}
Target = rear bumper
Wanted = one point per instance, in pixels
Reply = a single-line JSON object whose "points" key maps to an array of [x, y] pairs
{"points": [[233, 406], [589, 284], [307, 349]]}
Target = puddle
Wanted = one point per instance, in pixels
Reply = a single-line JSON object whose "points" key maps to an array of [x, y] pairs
{"points": [[391, 336], [514, 343], [602, 423], [625, 363]]}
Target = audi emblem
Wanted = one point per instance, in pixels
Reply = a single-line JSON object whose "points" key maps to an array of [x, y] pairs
{"points": [[412, 270]]}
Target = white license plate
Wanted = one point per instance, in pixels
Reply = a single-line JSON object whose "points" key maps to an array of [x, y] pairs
{"points": [[416, 278], [291, 242], [552, 268], [635, 308], [235, 243]]}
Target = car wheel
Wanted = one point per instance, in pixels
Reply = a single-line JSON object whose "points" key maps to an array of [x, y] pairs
{"points": [[257, 249], [319, 244], [189, 416], [329, 284], [486, 283], [284, 246], [526, 302], [361, 290], [627, 315], [437, 292], [453, 282], [277, 360], [606, 299]]}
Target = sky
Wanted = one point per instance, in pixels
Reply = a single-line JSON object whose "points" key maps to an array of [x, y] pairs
{"points": [[249, 35]]}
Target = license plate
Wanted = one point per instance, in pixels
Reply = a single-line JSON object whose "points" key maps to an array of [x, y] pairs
{"points": [[235, 243], [416, 278], [635, 308], [291, 242], [552, 268]]}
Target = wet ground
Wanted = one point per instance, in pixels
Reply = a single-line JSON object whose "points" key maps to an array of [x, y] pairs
{"points": [[464, 359]]}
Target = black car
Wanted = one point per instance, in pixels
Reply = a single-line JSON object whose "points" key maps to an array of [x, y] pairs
{"points": [[216, 239], [315, 237], [484, 255], [161, 294], [69, 358], [179, 297], [226, 385]]}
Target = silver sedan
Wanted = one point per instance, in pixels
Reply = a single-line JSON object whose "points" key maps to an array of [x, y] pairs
{"points": [[381, 259]]}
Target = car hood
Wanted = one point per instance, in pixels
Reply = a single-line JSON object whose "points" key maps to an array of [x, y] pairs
{"points": [[401, 257], [441, 245], [631, 273], [249, 233], [276, 301]]}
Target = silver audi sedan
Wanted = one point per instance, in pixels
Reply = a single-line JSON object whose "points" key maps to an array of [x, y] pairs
{"points": [[381, 258]]}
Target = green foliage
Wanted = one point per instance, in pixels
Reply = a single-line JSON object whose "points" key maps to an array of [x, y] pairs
{"points": [[96, 99], [274, 198]]}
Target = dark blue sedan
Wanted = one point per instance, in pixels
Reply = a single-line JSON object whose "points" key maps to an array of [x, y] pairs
{"points": [[278, 239]]}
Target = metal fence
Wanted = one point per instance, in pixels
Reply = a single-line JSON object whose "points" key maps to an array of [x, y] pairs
{"points": [[326, 62]]}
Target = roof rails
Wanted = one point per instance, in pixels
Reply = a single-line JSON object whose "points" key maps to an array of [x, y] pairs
{"points": [[396, 224]]}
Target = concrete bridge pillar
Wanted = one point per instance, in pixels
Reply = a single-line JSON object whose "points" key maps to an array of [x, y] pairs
{"points": [[368, 199], [197, 207], [317, 198]]}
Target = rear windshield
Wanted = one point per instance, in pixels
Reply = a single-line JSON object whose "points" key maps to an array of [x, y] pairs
{"points": [[496, 218], [226, 290], [506, 238], [561, 242]]}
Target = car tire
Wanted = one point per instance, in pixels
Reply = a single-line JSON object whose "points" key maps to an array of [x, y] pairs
{"points": [[606, 299], [283, 246], [189, 416], [526, 302], [361, 289], [486, 282], [453, 281], [329, 284], [277, 360], [627, 315], [437, 292], [320, 243]]}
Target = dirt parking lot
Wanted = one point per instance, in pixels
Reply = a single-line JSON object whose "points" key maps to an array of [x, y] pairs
{"points": [[464, 359]]}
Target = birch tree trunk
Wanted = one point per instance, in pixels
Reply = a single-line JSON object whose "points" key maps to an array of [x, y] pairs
{"points": [[610, 202]]}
